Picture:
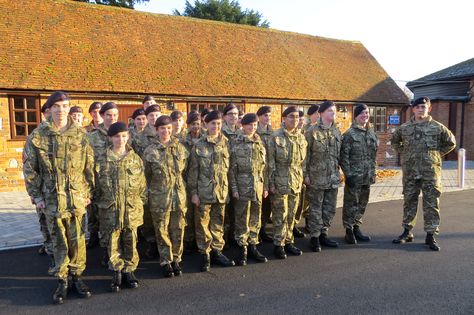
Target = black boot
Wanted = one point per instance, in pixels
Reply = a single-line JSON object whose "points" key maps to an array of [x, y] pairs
{"points": [[61, 292], [279, 252], [206, 263], [315, 244], [297, 233], [359, 235], [52, 267], [167, 271], [116, 281], [176, 269], [293, 250], [350, 238], [219, 258], [80, 287], [256, 255], [326, 241], [152, 250], [431, 242], [242, 259], [130, 280], [104, 262], [265, 237], [93, 240], [405, 237]]}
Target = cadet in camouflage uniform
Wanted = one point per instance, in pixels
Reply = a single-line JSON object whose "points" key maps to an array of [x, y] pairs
{"points": [[357, 160], [136, 129], [178, 125], [208, 183], [100, 142], [58, 167], [94, 110], [265, 131], [165, 166], [247, 184], [122, 192], [322, 175], [422, 142], [286, 155]]}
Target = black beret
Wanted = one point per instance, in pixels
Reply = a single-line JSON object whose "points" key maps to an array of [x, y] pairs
{"points": [[176, 115], [289, 110], [248, 119], [147, 98], [152, 109], [115, 128], [421, 100], [301, 113], [205, 111], [138, 112], [163, 121], [192, 117], [107, 106], [313, 109], [213, 115], [263, 110], [75, 109], [325, 105], [95, 105], [229, 107], [44, 108], [359, 108], [57, 96]]}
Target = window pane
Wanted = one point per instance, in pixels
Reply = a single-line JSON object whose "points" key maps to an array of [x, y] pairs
{"points": [[31, 103], [19, 117], [18, 102], [31, 128], [31, 117], [20, 130]]}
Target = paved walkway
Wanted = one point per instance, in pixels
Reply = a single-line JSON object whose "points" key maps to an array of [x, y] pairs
{"points": [[19, 225]]}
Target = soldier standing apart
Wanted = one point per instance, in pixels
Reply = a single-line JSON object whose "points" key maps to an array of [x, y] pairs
{"points": [[322, 175], [122, 193], [165, 166], [286, 155], [265, 131], [208, 183], [94, 110], [248, 187], [422, 142], [358, 153], [59, 177]]}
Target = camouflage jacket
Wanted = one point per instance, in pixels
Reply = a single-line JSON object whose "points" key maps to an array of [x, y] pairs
{"points": [[228, 132], [286, 159], [421, 146], [322, 161], [59, 168], [247, 167], [165, 167], [121, 189], [358, 153], [265, 134], [142, 140], [99, 141], [208, 170], [90, 127]]}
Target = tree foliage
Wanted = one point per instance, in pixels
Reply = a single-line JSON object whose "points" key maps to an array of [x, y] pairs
{"points": [[223, 10], [130, 4]]}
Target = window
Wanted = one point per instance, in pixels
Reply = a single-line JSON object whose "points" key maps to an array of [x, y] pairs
{"points": [[214, 106], [24, 115], [378, 117]]}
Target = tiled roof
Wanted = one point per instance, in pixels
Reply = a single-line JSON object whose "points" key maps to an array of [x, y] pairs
{"points": [[461, 70], [73, 46]]}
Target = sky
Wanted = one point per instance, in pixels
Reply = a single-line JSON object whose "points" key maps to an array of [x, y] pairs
{"points": [[409, 38]]}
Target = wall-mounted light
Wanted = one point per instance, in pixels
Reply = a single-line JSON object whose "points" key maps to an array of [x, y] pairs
{"points": [[342, 109]]}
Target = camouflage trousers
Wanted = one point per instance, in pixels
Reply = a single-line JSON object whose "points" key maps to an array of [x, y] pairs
{"points": [[303, 206], [431, 192], [322, 209], [147, 229], [284, 208], [69, 244], [247, 221], [47, 242], [355, 202], [209, 219], [122, 250], [169, 230], [189, 231]]}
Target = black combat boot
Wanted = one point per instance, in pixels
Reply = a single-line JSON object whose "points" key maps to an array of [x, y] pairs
{"points": [[104, 262], [177, 269], [350, 238], [326, 241], [80, 287], [242, 258], [359, 235], [130, 280], [206, 263], [218, 258], [297, 233], [256, 255], [52, 267], [61, 292], [405, 237], [167, 271], [293, 250], [264, 237], [315, 244], [116, 281], [152, 251], [431, 242], [93, 240], [279, 252]]}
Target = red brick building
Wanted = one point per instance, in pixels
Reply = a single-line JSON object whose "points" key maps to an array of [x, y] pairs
{"points": [[111, 54]]}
